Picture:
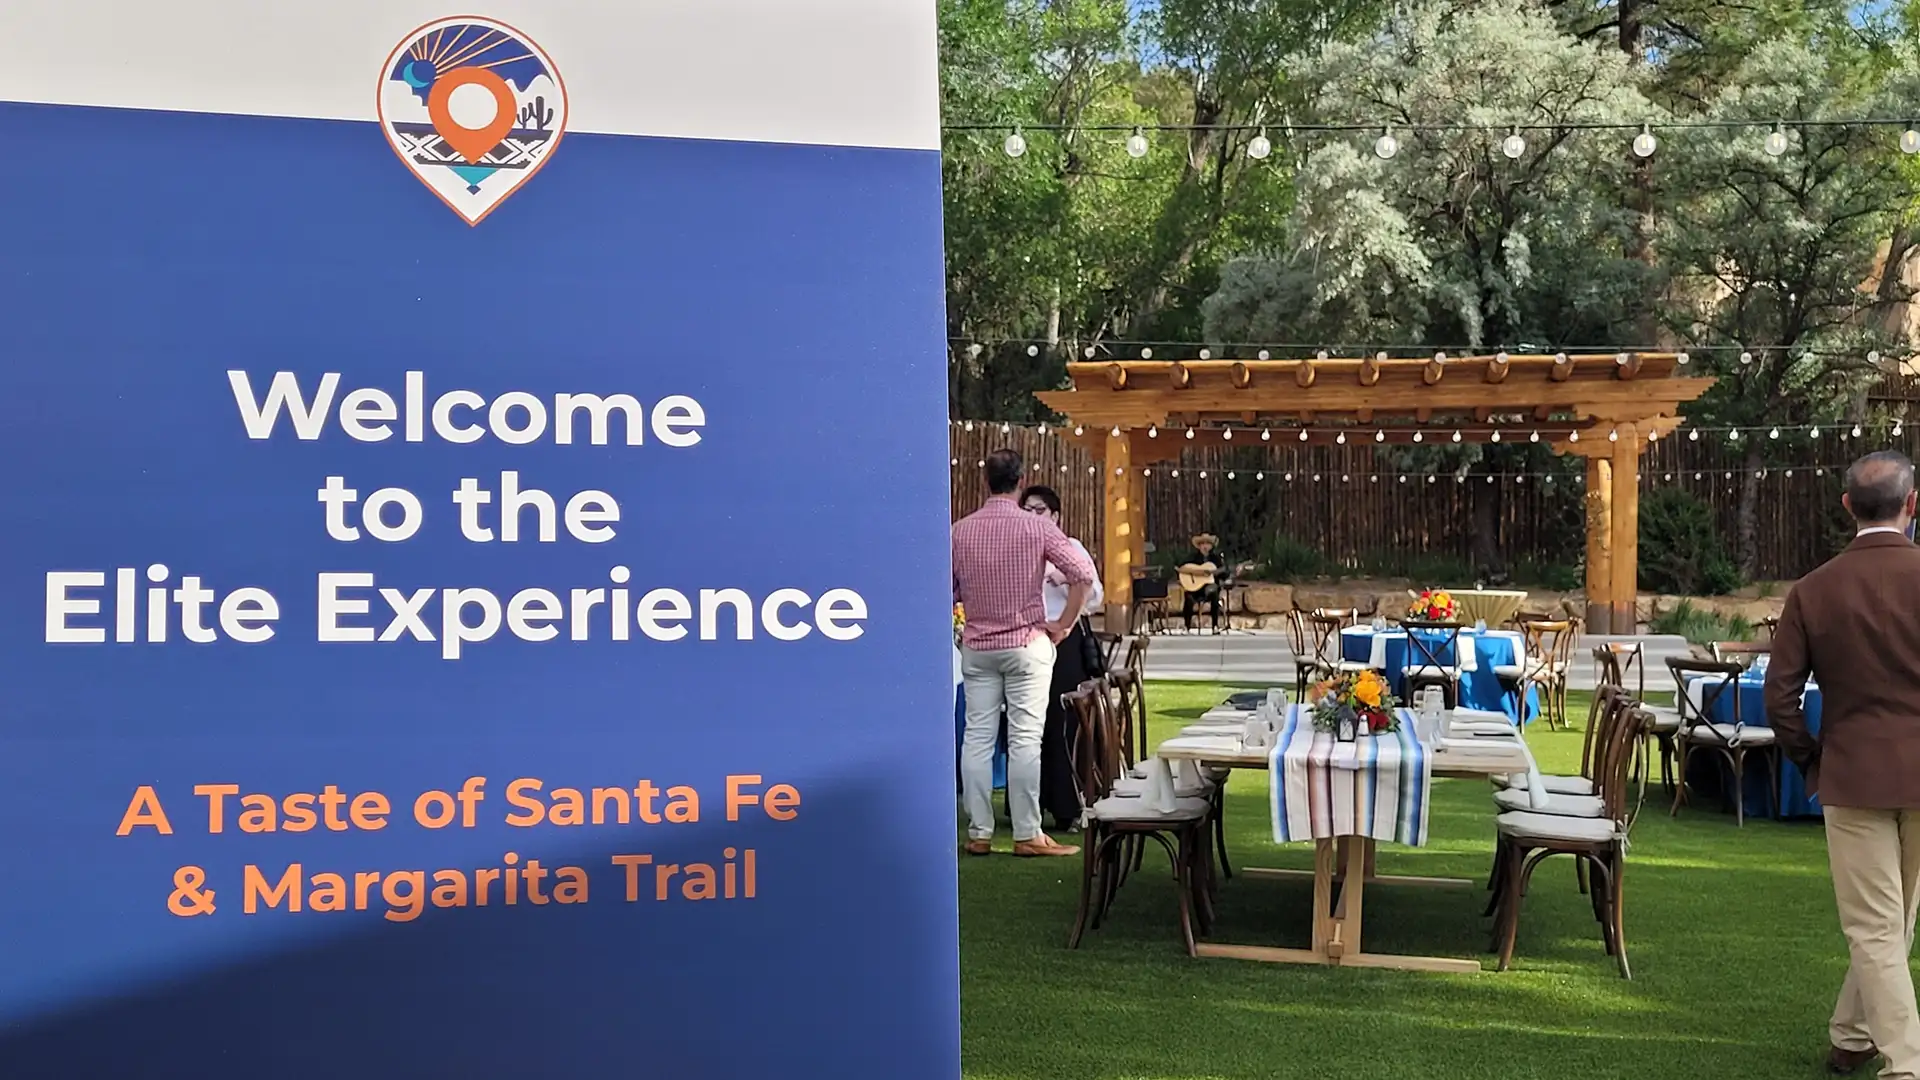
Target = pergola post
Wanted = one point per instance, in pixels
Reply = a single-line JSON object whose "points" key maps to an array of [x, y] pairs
{"points": [[1599, 545], [1124, 524], [1626, 529]]}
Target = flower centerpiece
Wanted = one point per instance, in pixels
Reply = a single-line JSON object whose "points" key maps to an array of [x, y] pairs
{"points": [[1432, 605], [1356, 701]]}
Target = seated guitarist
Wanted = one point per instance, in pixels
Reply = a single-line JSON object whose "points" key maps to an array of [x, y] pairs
{"points": [[1200, 579]]}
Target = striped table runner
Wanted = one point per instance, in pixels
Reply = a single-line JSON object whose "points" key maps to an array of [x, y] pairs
{"points": [[1375, 786]]}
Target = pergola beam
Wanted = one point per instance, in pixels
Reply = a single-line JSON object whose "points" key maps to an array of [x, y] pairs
{"points": [[1572, 403]]}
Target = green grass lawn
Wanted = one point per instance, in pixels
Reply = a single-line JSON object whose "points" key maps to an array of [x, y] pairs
{"points": [[1735, 947]]}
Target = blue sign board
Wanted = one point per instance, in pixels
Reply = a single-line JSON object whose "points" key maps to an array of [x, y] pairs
{"points": [[472, 562]]}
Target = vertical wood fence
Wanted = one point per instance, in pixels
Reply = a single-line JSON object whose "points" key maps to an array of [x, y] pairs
{"points": [[1355, 504]]}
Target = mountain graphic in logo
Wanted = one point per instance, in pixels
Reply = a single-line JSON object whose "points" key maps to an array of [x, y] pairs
{"points": [[474, 108]]}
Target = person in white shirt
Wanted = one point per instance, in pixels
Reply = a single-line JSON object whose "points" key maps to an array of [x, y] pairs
{"points": [[1059, 787]]}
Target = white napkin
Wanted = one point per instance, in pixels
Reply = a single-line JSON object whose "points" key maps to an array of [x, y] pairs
{"points": [[1254, 737], [1159, 794], [1186, 774]]}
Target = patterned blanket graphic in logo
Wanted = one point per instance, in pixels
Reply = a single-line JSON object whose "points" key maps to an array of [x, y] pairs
{"points": [[474, 108]]}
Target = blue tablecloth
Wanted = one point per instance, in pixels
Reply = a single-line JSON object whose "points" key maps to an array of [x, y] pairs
{"points": [[1795, 801], [1480, 688]]}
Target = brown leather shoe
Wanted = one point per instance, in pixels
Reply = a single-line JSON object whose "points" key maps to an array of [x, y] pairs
{"points": [[978, 847], [1043, 847], [1847, 1062]]}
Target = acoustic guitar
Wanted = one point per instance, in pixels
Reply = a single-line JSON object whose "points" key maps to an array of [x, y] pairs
{"points": [[1194, 578]]}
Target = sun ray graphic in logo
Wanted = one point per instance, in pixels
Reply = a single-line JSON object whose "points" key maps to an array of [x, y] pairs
{"points": [[474, 108]]}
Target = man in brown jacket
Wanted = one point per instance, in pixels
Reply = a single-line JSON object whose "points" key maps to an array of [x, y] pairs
{"points": [[1854, 624]]}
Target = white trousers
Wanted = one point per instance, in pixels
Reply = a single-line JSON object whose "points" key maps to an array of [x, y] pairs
{"points": [[1019, 679], [1875, 856]]}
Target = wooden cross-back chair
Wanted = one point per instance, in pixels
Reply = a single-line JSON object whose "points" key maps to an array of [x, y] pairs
{"points": [[1325, 625], [1621, 662], [1433, 658], [1113, 821], [1306, 653], [1525, 839], [1731, 740], [1743, 653], [1549, 646]]}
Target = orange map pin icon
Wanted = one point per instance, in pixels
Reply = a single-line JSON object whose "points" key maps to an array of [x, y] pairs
{"points": [[471, 143]]}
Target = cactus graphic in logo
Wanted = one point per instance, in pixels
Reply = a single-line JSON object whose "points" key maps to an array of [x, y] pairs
{"points": [[474, 108]]}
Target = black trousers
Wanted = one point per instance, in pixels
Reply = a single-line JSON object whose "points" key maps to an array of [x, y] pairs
{"points": [[1209, 596], [1059, 787]]}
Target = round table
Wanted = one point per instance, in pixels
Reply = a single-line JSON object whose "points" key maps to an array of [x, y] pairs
{"points": [[1386, 651], [1795, 800]]}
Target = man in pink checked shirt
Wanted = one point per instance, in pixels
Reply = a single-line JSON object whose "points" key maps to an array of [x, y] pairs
{"points": [[1000, 555]]}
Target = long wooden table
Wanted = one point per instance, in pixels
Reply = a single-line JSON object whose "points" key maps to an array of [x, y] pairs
{"points": [[1342, 868]]}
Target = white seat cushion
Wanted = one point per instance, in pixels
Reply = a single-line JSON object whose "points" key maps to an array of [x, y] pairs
{"points": [[1559, 805], [1536, 669], [1666, 721], [1132, 787], [1432, 671], [1735, 734], [1352, 667], [1548, 827], [1556, 785], [1117, 809]]}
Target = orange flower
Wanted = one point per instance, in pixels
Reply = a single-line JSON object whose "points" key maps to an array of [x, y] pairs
{"points": [[1367, 689], [1319, 690]]}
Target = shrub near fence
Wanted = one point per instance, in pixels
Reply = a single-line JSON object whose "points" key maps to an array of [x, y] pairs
{"points": [[1352, 505]]}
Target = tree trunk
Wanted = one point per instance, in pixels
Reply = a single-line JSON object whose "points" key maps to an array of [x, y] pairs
{"points": [[1488, 561], [1747, 523]]}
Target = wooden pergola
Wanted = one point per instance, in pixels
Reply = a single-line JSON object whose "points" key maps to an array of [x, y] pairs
{"points": [[1604, 408]]}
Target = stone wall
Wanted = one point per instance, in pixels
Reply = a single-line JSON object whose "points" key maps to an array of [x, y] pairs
{"points": [[1263, 605]]}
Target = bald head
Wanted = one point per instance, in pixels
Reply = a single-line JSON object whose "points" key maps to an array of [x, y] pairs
{"points": [[1878, 487]]}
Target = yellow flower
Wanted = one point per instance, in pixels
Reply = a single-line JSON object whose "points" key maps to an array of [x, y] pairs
{"points": [[1442, 599], [1367, 688]]}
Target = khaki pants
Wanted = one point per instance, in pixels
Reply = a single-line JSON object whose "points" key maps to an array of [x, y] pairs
{"points": [[1017, 678], [1875, 856]]}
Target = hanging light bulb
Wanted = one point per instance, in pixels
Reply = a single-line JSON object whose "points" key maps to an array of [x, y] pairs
{"points": [[1533, 437], [1321, 356], [1203, 474], [1137, 144], [1694, 435], [1379, 436], [1176, 474], [1773, 433], [1266, 435], [1344, 478], [1189, 433], [1789, 472], [1873, 356], [1232, 475], [1496, 435], [1668, 478], [1206, 354], [969, 425], [1227, 435], [1456, 435], [1288, 478], [1489, 478], [1696, 476], [1063, 468], [1116, 431], [1513, 145], [1813, 432], [1260, 146], [1261, 475], [1910, 141], [1416, 437], [1146, 354], [1264, 354], [1613, 435], [1152, 432], [1043, 429], [1303, 434], [1856, 431], [1644, 144], [1374, 479], [1897, 425], [1733, 434], [1089, 352], [1146, 472], [1683, 358], [1459, 479], [1006, 429], [1776, 142], [1341, 438], [1386, 145], [1403, 479], [1015, 145], [1746, 357], [1080, 430], [1653, 435], [1033, 350]]}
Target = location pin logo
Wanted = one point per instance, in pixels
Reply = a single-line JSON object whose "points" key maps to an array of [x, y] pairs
{"points": [[473, 108]]}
